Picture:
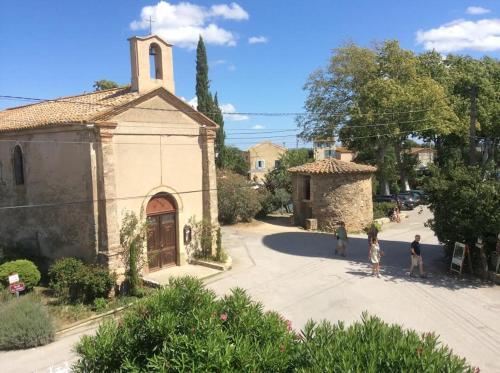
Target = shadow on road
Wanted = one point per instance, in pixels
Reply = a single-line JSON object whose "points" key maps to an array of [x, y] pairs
{"points": [[394, 265]]}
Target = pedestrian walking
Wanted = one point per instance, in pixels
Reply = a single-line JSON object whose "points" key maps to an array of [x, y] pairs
{"points": [[374, 255], [372, 232], [416, 256], [342, 238]]}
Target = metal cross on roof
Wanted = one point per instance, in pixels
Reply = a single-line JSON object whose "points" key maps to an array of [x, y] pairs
{"points": [[151, 20]]}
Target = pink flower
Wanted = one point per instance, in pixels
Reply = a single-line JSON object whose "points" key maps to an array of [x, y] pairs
{"points": [[288, 325], [223, 316], [477, 370]]}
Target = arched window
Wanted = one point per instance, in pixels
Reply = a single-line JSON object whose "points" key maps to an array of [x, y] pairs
{"points": [[155, 70], [18, 165]]}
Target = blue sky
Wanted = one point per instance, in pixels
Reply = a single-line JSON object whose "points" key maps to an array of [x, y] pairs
{"points": [[50, 49]]}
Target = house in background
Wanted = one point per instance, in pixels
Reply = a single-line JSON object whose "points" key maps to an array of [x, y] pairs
{"points": [[72, 167], [262, 158], [326, 148], [328, 191], [424, 156]]}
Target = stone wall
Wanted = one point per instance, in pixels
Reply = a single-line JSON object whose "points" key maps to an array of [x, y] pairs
{"points": [[346, 198], [334, 198]]}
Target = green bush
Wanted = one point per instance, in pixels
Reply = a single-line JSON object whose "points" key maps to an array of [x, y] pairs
{"points": [[74, 281], [62, 274], [237, 200], [24, 323], [185, 327], [99, 304], [381, 209], [28, 272], [374, 346]]}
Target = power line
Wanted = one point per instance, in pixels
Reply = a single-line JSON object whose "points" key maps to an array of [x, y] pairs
{"points": [[130, 106]]}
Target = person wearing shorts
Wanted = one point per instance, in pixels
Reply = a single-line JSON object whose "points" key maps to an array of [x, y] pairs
{"points": [[341, 239], [416, 256]]}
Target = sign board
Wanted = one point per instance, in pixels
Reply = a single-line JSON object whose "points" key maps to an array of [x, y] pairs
{"points": [[16, 288], [457, 261], [13, 278]]}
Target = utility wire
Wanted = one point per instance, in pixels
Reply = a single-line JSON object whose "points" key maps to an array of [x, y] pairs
{"points": [[129, 105]]}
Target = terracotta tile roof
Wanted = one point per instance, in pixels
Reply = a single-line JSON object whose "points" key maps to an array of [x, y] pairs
{"points": [[61, 111], [341, 149], [332, 166], [421, 150], [86, 108]]}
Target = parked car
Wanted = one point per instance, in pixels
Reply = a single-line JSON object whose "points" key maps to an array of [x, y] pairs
{"points": [[407, 201], [416, 197], [424, 197], [404, 203]]}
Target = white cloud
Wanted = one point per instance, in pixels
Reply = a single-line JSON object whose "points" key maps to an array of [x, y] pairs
{"points": [[181, 24], [257, 40], [231, 68], [232, 11], [227, 109], [477, 10], [217, 63], [482, 35], [258, 127]]}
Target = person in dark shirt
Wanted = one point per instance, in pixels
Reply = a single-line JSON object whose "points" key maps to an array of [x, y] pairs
{"points": [[416, 256]]}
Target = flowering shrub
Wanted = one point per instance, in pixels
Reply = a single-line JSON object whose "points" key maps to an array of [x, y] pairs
{"points": [[186, 328]]}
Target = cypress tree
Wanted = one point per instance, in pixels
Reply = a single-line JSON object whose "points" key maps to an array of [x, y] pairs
{"points": [[221, 135], [202, 83]]}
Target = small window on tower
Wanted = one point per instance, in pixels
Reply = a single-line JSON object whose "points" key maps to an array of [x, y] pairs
{"points": [[155, 70]]}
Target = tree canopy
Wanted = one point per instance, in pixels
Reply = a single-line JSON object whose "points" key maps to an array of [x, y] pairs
{"points": [[100, 85]]}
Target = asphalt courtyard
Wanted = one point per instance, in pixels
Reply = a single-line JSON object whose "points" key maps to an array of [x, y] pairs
{"points": [[295, 272]]}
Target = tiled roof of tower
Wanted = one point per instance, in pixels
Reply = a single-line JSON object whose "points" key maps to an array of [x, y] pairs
{"points": [[332, 166], [85, 108]]}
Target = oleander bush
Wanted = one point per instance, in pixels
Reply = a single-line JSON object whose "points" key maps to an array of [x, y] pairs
{"points": [[185, 327], [75, 281], [24, 323], [27, 270]]}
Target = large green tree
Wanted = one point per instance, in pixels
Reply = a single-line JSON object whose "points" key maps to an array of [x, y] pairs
{"points": [[220, 148], [100, 85], [375, 98]]}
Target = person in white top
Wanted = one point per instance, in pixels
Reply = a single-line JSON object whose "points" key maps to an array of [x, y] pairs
{"points": [[374, 255]]}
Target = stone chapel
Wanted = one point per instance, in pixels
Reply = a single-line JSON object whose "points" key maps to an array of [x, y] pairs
{"points": [[71, 167]]}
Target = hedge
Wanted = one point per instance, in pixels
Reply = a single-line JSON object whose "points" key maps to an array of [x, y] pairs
{"points": [[185, 327], [28, 272]]}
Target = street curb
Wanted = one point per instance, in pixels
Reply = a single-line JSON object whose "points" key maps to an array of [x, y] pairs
{"points": [[91, 319]]}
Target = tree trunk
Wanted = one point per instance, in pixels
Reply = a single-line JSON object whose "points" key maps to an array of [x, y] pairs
{"points": [[403, 179], [383, 183]]}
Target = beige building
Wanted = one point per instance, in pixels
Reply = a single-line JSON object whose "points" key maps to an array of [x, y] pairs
{"points": [[70, 168], [424, 156], [326, 148], [330, 191], [262, 158]]}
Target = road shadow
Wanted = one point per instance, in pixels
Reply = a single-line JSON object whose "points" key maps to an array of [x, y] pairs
{"points": [[394, 264]]}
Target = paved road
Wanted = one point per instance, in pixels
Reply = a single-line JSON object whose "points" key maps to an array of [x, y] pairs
{"points": [[295, 273]]}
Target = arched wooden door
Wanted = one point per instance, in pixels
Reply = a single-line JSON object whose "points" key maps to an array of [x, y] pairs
{"points": [[162, 232]]}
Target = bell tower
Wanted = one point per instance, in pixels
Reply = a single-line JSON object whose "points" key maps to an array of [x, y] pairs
{"points": [[151, 63]]}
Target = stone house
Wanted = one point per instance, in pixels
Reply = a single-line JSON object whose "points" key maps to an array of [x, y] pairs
{"points": [[330, 191], [326, 148], [424, 156], [262, 158], [70, 168]]}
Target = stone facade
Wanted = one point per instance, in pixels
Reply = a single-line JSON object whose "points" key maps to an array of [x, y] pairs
{"points": [[89, 161], [331, 195]]}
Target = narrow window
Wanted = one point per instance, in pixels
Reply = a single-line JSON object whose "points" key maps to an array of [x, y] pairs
{"points": [[307, 187], [260, 164], [277, 163], [18, 166], [155, 62]]}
